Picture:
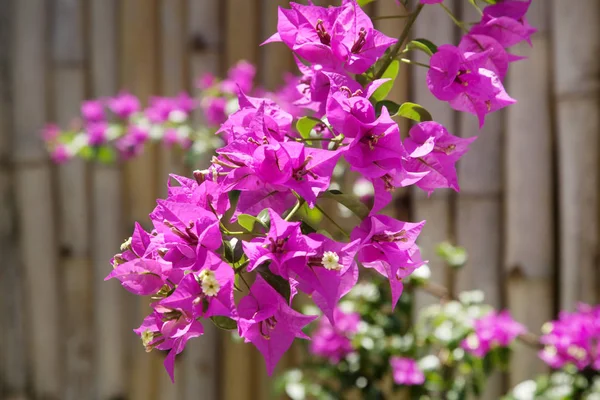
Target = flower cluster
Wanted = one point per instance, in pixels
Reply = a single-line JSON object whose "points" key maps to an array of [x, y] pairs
{"points": [[117, 127], [573, 339], [469, 76], [241, 219], [492, 330], [335, 342]]}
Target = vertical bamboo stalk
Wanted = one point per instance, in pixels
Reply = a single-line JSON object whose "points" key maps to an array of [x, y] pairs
{"points": [[13, 373], [139, 72], [479, 208], [576, 40], [109, 327], [242, 35], [275, 58], [529, 206], [34, 183], [174, 74], [201, 361], [68, 92], [241, 31], [437, 210]]}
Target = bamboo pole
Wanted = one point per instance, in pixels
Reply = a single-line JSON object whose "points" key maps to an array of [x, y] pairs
{"points": [[68, 76], [33, 180], [203, 358], [242, 32], [480, 216], [139, 62], [109, 322], [13, 372], [529, 262], [437, 210], [576, 39]]}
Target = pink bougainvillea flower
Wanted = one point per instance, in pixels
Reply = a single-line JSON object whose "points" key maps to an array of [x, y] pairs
{"points": [[388, 246], [60, 154], [492, 330], [93, 111], [168, 332], [573, 339], [328, 273], [50, 132], [124, 105], [334, 342], [141, 276], [332, 36], [406, 371], [269, 323], [284, 242], [432, 149], [240, 77], [506, 23], [496, 56], [462, 80], [214, 110], [354, 39]]}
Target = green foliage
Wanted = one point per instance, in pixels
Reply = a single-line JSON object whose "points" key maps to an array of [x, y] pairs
{"points": [[224, 323], [424, 45], [305, 125], [454, 256], [281, 285], [390, 73], [415, 112], [349, 201]]}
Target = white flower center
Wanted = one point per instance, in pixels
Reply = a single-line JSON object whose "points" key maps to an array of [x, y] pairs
{"points": [[210, 286], [331, 260]]}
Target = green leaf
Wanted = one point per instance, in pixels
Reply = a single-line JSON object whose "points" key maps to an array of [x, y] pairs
{"points": [[281, 285], [233, 250], [391, 73], [424, 45], [247, 221], [391, 106], [224, 323], [415, 112], [264, 218], [106, 155], [305, 125], [349, 201], [363, 3]]}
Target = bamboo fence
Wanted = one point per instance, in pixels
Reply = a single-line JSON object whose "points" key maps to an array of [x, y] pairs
{"points": [[528, 212]]}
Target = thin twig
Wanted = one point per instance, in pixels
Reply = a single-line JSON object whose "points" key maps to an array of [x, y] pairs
{"points": [[396, 49]]}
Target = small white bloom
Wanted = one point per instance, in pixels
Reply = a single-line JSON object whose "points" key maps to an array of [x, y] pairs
{"points": [[547, 328], [177, 116], [210, 286], [423, 272], [472, 341], [206, 274], [525, 390], [331, 261], [576, 352], [429, 363]]}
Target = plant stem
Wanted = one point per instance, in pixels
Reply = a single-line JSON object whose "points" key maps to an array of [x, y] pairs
{"points": [[332, 220], [411, 62], [453, 18], [396, 49], [390, 17], [299, 204]]}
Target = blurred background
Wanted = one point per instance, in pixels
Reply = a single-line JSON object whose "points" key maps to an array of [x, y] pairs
{"points": [[528, 211]]}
